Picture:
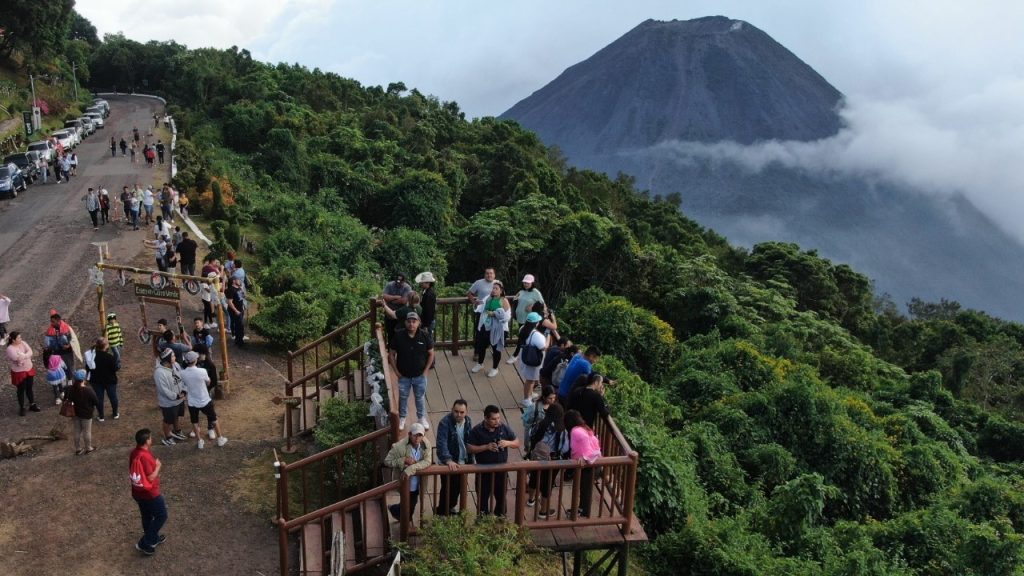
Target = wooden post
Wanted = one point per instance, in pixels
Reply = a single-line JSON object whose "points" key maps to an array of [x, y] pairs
{"points": [[520, 496], [101, 305], [455, 329], [403, 529], [223, 337], [630, 495]]}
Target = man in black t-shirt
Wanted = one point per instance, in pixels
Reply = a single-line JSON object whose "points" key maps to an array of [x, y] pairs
{"points": [[489, 442], [411, 355], [236, 309], [187, 254]]}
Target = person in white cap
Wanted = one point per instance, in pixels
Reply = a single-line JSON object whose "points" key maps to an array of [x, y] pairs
{"points": [[197, 382], [524, 299], [409, 455], [170, 396], [428, 301]]}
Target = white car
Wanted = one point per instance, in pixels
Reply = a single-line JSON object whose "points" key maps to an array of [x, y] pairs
{"points": [[45, 148], [88, 124], [104, 104], [96, 117], [66, 137]]}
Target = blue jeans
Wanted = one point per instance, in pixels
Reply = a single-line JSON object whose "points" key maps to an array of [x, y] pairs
{"points": [[154, 514], [111, 391], [116, 351], [419, 386]]}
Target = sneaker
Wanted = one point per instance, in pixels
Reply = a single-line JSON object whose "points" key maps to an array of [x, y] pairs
{"points": [[531, 502], [200, 444], [168, 441], [212, 325], [425, 423], [492, 372], [222, 441], [116, 416], [512, 360], [476, 368], [192, 434], [211, 433], [177, 435], [101, 419], [401, 423], [57, 402], [547, 513], [34, 408], [145, 549], [160, 540]]}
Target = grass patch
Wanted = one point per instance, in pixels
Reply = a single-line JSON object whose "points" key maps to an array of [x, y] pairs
{"points": [[254, 488]]}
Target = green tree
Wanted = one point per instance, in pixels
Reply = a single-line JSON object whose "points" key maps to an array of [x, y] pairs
{"points": [[37, 28]]}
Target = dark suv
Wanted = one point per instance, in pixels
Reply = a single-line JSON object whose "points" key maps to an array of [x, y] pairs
{"points": [[11, 180], [27, 162]]}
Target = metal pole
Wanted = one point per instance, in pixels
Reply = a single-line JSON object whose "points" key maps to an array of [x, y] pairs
{"points": [[103, 310], [32, 83], [75, 78]]}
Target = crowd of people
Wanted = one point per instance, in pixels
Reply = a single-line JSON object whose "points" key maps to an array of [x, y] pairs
{"points": [[139, 148], [562, 395]]}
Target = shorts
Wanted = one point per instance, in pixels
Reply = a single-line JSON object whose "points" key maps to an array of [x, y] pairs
{"points": [[211, 415], [171, 414]]}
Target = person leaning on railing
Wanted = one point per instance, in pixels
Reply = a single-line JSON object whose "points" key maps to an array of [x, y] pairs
{"points": [[489, 441], [452, 432], [409, 455]]}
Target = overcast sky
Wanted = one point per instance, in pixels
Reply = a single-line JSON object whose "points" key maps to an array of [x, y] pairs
{"points": [[935, 88]]}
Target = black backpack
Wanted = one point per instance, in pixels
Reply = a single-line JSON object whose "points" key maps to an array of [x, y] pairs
{"points": [[531, 355]]}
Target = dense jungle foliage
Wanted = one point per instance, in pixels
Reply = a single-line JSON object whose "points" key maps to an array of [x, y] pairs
{"points": [[789, 420]]}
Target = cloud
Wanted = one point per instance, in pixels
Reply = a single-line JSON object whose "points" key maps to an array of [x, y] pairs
{"points": [[198, 23], [943, 144]]}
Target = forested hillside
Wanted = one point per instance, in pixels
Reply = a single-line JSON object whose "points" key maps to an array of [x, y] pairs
{"points": [[788, 421]]}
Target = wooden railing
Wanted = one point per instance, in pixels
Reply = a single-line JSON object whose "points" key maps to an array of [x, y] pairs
{"points": [[614, 487], [317, 369], [315, 493]]}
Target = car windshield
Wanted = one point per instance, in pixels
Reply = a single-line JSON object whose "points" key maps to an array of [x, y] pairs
{"points": [[39, 146], [16, 158], [5, 173]]}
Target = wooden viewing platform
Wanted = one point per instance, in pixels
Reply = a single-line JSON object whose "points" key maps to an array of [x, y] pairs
{"points": [[362, 518]]}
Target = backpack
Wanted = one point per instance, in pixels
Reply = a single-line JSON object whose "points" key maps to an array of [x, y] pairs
{"points": [[531, 355], [531, 418], [559, 373]]}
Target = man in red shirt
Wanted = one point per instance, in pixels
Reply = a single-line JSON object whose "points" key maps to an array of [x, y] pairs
{"points": [[144, 473]]}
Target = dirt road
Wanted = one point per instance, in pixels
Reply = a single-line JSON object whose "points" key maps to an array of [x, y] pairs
{"points": [[67, 514]]}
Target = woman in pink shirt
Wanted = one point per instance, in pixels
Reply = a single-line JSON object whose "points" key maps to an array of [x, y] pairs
{"points": [[585, 447], [19, 354]]}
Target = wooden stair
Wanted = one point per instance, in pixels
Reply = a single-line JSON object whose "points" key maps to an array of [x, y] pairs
{"points": [[364, 538]]}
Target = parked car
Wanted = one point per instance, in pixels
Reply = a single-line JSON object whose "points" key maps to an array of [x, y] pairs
{"points": [[11, 181], [87, 124], [44, 148], [103, 103], [97, 109], [96, 117], [78, 126], [27, 162], [66, 137]]}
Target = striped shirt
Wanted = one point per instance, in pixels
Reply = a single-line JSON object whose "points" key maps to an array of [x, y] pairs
{"points": [[114, 335]]}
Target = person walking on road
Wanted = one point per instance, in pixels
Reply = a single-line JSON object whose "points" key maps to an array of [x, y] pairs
{"points": [[144, 474], [19, 355], [104, 206], [124, 147], [103, 378], [84, 400], [160, 150], [113, 147], [5, 317], [92, 204], [236, 310], [115, 338]]}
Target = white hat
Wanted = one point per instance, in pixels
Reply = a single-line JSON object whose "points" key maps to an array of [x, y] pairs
{"points": [[417, 428], [529, 279], [425, 277]]}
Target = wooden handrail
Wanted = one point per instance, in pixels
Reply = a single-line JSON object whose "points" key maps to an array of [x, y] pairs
{"points": [[343, 328], [350, 355], [294, 523], [334, 451]]}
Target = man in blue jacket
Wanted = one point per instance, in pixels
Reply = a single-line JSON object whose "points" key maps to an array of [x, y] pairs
{"points": [[580, 365], [452, 452]]}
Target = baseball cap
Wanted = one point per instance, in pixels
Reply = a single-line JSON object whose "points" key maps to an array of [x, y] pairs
{"points": [[79, 374], [191, 356], [166, 353], [111, 315], [417, 428], [529, 278], [533, 317], [412, 316]]}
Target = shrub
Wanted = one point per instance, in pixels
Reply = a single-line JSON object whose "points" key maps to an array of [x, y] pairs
{"points": [[482, 547], [288, 319]]}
